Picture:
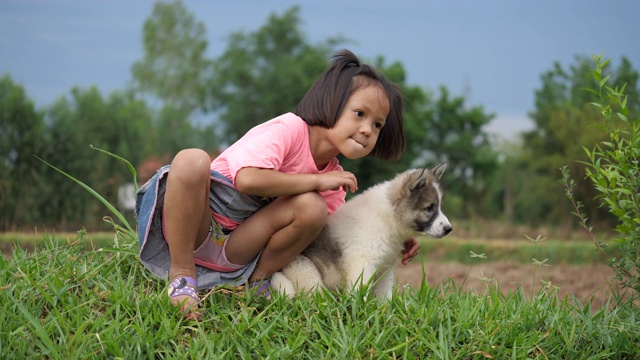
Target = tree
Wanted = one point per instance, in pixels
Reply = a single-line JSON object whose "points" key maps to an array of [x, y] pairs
{"points": [[444, 130], [454, 133], [120, 124], [265, 73], [174, 132], [563, 122], [174, 66], [176, 70], [21, 136]]}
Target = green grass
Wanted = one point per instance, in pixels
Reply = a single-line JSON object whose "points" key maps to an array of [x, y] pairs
{"points": [[62, 301]]}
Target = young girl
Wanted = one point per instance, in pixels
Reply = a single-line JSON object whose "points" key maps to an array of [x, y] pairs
{"points": [[247, 213]]}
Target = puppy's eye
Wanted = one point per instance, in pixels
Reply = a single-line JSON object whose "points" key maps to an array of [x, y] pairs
{"points": [[430, 208]]}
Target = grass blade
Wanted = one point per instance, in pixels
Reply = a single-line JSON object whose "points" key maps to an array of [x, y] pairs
{"points": [[98, 196], [50, 349], [131, 168]]}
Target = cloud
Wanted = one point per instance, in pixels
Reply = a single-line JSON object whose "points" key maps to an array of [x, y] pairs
{"points": [[508, 126]]}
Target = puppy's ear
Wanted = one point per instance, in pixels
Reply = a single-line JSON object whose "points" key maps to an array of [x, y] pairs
{"points": [[438, 170], [416, 184]]}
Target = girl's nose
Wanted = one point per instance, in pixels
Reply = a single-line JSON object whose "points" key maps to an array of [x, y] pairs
{"points": [[365, 129]]}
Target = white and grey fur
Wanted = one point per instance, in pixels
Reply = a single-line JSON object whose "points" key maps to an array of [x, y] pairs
{"points": [[362, 241]]}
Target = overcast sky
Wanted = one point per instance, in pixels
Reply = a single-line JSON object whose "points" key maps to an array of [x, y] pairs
{"points": [[493, 52]]}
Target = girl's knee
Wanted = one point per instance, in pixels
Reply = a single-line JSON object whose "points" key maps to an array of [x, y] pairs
{"points": [[311, 209], [192, 157], [190, 166]]}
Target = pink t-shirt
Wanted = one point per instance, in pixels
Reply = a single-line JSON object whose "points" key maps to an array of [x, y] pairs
{"points": [[282, 144]]}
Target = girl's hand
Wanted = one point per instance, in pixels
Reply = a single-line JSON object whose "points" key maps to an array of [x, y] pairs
{"points": [[410, 250], [333, 180]]}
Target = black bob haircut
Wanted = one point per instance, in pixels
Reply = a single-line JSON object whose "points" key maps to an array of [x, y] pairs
{"points": [[325, 100]]}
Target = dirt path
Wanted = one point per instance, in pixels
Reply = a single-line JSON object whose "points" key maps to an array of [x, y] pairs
{"points": [[583, 281]]}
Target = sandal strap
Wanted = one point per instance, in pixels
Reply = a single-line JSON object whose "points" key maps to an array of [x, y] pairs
{"points": [[262, 287], [184, 285]]}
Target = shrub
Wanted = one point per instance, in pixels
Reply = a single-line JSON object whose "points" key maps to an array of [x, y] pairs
{"points": [[613, 168]]}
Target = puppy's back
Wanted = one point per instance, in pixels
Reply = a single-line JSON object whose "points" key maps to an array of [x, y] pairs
{"points": [[353, 232]]}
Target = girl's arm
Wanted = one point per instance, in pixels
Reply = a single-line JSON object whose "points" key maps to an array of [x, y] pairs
{"points": [[273, 183]]}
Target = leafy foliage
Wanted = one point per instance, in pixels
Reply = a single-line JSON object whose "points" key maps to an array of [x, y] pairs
{"points": [[614, 170], [182, 99], [454, 133], [442, 129], [564, 124], [174, 66], [176, 71], [21, 132], [119, 123], [265, 73]]}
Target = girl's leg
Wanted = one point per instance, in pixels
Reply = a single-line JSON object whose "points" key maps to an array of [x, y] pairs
{"points": [[283, 228], [186, 215]]}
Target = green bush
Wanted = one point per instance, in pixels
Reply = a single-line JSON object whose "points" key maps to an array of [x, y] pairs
{"points": [[613, 169]]}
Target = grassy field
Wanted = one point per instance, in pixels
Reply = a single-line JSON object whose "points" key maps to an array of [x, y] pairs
{"points": [[64, 301], [453, 248]]}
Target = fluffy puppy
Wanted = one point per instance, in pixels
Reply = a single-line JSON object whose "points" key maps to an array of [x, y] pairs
{"points": [[362, 240]]}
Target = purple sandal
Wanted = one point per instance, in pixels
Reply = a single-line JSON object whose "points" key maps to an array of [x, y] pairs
{"points": [[184, 285], [262, 287]]}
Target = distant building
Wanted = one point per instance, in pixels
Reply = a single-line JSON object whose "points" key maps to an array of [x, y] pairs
{"points": [[126, 197]]}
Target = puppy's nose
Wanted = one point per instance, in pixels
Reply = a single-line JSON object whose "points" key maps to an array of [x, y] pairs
{"points": [[447, 229]]}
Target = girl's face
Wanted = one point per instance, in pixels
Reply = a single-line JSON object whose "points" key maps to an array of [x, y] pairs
{"points": [[358, 127]]}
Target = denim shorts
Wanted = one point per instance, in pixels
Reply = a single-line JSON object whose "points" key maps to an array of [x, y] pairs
{"points": [[223, 199]]}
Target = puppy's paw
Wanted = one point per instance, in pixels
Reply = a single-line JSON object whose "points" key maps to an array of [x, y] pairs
{"points": [[282, 285]]}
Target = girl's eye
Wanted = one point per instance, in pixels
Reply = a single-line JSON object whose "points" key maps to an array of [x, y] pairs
{"points": [[359, 113], [378, 125]]}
